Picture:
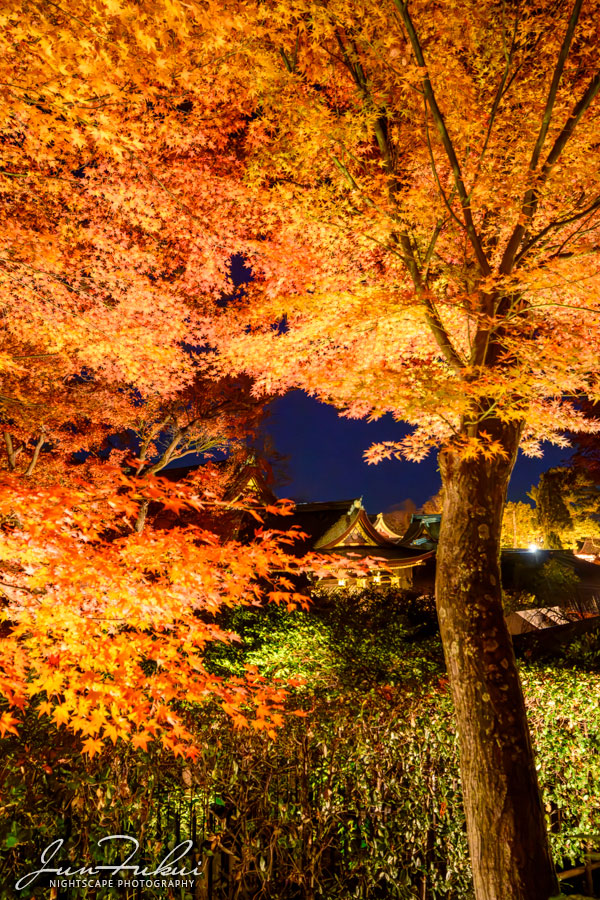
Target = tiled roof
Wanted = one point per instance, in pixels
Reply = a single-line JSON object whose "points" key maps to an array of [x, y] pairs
{"points": [[327, 525], [394, 556], [317, 520], [423, 531]]}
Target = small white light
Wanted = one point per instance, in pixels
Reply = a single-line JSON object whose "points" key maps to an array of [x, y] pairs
{"points": [[533, 547], [341, 582]]}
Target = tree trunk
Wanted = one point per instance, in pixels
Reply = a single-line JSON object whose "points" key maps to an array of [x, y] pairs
{"points": [[36, 454], [506, 827], [141, 516], [12, 456]]}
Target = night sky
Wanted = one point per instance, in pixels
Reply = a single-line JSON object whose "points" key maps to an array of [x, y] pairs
{"points": [[325, 452], [326, 458]]}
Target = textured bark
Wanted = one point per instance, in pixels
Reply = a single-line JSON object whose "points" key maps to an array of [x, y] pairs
{"points": [[36, 454], [505, 819], [12, 456], [141, 516]]}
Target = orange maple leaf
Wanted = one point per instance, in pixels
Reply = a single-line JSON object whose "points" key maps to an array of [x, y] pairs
{"points": [[61, 714], [7, 724], [141, 739], [92, 746]]}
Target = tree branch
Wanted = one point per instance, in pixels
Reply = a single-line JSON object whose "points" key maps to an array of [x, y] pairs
{"points": [[440, 124], [508, 55], [154, 431], [16, 587], [36, 453], [532, 197], [557, 223], [557, 75], [12, 455], [360, 80], [436, 176], [440, 334], [578, 111], [432, 315], [141, 516], [431, 247]]}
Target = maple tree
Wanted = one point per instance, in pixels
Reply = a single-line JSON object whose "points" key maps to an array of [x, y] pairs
{"points": [[434, 254], [105, 634], [106, 270], [104, 289], [123, 204], [413, 186]]}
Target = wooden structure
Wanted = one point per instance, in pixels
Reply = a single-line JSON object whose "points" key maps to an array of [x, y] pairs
{"points": [[524, 621], [423, 531], [589, 550], [387, 526], [343, 529], [251, 482]]}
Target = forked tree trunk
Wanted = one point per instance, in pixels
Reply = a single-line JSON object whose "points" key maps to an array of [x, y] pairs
{"points": [[506, 828]]}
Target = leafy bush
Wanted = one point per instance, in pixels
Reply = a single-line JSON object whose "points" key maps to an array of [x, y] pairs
{"points": [[359, 798], [583, 652]]}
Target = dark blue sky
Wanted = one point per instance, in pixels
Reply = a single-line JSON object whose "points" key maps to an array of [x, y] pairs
{"points": [[326, 452], [326, 458]]}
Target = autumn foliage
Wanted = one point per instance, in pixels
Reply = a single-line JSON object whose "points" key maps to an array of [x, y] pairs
{"points": [[118, 185], [444, 265], [414, 187], [397, 240], [104, 628]]}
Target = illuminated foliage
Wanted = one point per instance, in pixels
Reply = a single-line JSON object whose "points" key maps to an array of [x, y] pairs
{"points": [[520, 526], [414, 187], [105, 628], [567, 507]]}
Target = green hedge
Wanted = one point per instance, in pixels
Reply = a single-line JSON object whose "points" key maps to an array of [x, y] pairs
{"points": [[361, 798]]}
